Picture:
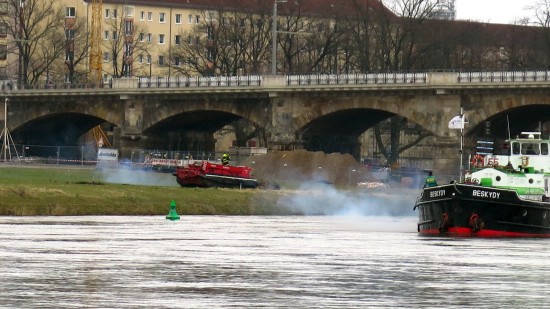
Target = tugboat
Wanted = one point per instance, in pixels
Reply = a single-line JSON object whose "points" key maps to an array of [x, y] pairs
{"points": [[208, 174], [501, 196]]}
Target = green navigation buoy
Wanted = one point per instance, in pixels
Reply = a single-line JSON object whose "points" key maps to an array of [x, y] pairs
{"points": [[173, 215]]}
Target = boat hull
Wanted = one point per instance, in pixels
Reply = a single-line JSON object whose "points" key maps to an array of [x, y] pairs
{"points": [[206, 181], [464, 210], [206, 174]]}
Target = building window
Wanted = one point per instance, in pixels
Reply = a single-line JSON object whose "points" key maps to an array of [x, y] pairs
{"points": [[141, 36], [107, 13], [178, 39], [3, 30], [70, 12], [210, 32], [148, 59], [127, 69], [177, 61], [150, 16], [3, 52], [115, 13], [140, 58], [161, 38], [162, 17], [149, 37], [105, 56], [210, 54], [128, 49], [69, 56], [106, 35], [178, 18], [115, 35], [142, 15], [197, 19], [128, 27], [190, 18], [69, 34], [161, 60]]}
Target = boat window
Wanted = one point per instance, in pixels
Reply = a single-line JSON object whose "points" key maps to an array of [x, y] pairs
{"points": [[515, 148], [530, 148], [544, 148]]}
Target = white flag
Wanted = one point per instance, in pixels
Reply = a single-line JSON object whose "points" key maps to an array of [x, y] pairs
{"points": [[456, 123]]}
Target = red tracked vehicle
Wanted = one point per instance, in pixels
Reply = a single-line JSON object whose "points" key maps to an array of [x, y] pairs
{"points": [[208, 174]]}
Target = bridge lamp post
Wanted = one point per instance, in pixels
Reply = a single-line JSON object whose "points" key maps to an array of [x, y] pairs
{"points": [[274, 38]]}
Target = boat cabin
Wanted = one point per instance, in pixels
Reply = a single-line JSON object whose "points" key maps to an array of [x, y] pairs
{"points": [[528, 150], [529, 144]]}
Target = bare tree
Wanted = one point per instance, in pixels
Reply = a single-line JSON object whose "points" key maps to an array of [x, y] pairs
{"points": [[36, 27], [77, 50], [541, 18], [124, 42], [311, 43], [397, 37], [224, 43]]}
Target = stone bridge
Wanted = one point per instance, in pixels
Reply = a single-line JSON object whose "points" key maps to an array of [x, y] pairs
{"points": [[321, 112]]}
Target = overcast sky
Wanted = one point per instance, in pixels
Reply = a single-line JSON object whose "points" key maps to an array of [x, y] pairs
{"points": [[494, 11]]}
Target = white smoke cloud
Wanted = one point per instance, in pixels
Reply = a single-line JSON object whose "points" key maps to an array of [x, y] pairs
{"points": [[137, 177], [324, 199]]}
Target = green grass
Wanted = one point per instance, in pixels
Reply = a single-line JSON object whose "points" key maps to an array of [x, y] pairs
{"points": [[56, 191]]}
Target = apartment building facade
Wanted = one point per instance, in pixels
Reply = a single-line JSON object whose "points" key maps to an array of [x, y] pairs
{"points": [[136, 36]]}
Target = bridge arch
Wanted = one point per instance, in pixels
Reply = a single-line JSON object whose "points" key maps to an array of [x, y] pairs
{"points": [[335, 124], [255, 111], [106, 111], [56, 129], [191, 125], [514, 113], [424, 112]]}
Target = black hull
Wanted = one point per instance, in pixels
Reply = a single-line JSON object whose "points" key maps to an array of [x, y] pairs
{"points": [[476, 211]]}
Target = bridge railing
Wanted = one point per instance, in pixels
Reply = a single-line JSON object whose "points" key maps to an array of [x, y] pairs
{"points": [[504, 76], [296, 80], [370, 78], [185, 81]]}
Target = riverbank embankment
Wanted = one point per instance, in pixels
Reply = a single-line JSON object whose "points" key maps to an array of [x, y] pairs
{"points": [[72, 191]]}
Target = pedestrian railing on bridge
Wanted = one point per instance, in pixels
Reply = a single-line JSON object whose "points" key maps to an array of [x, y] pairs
{"points": [[297, 80], [209, 81], [505, 76], [371, 78]]}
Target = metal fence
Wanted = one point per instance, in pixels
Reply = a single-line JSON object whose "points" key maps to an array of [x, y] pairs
{"points": [[534, 75], [214, 81], [371, 78], [87, 156], [503, 76]]}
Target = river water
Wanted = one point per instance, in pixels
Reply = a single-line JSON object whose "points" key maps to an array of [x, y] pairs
{"points": [[262, 262]]}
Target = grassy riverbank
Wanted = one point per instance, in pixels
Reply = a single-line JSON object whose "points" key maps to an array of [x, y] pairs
{"points": [[71, 191], [29, 191]]}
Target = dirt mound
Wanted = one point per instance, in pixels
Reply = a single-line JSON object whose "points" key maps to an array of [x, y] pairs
{"points": [[301, 166]]}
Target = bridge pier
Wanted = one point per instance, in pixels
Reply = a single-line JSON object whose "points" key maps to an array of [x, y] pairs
{"points": [[446, 159]]}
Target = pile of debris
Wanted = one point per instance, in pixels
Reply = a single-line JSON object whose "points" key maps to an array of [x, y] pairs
{"points": [[303, 166]]}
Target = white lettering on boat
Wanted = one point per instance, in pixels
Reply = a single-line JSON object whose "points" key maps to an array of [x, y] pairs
{"points": [[437, 193], [486, 194]]}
